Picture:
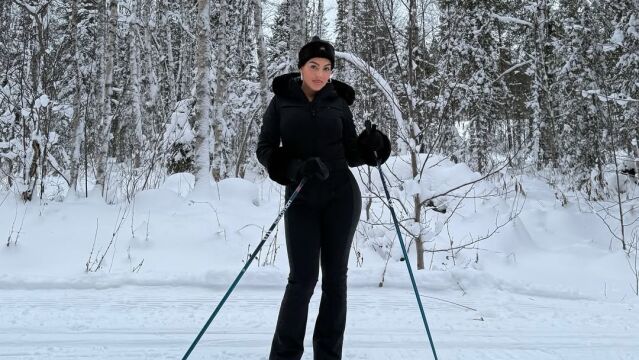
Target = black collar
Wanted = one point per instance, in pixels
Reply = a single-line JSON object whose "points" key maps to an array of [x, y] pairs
{"points": [[289, 85]]}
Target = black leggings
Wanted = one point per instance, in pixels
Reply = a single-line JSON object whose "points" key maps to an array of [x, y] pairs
{"points": [[320, 225]]}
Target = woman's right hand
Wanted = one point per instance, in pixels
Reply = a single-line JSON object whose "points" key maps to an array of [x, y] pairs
{"points": [[312, 167]]}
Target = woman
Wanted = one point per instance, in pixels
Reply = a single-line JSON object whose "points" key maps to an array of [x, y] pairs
{"points": [[310, 115]]}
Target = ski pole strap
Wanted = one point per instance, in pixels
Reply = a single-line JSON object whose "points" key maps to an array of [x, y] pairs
{"points": [[246, 266], [401, 242]]}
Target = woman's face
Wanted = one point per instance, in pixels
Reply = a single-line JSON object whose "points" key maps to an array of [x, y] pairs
{"points": [[316, 73]]}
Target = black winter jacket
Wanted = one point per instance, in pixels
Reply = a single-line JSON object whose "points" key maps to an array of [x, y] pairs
{"points": [[320, 128]]}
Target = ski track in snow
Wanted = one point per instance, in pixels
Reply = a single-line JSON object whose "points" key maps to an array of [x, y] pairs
{"points": [[143, 322]]}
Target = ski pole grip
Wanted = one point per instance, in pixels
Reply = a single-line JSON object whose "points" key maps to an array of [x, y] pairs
{"points": [[367, 125], [370, 129]]}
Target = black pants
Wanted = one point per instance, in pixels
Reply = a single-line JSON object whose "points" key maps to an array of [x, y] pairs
{"points": [[320, 225]]}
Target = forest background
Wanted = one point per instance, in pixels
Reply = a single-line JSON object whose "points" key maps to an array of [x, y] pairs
{"points": [[115, 96]]}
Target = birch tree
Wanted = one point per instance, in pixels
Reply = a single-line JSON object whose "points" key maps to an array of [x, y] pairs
{"points": [[77, 122], [261, 54], [202, 115], [168, 65], [105, 96], [219, 166], [136, 91]]}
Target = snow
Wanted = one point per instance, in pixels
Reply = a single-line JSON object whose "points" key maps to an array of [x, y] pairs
{"points": [[617, 37], [178, 130], [32, 9], [551, 284], [160, 322], [67, 110], [181, 183], [508, 19], [632, 24], [42, 101], [620, 99]]}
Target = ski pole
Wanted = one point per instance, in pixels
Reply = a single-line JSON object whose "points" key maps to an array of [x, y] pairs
{"points": [[367, 123], [248, 263]]}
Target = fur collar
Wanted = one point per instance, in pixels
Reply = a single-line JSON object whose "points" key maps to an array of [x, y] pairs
{"points": [[283, 86]]}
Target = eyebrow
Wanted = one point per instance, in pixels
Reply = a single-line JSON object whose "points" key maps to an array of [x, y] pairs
{"points": [[313, 62]]}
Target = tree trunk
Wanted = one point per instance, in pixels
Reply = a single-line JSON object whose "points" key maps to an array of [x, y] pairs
{"points": [[547, 148], [261, 54], [219, 154], [169, 66], [203, 95], [419, 241], [263, 75], [413, 33], [136, 92], [635, 149], [297, 29], [77, 121], [320, 18], [105, 101], [153, 89], [184, 65]]}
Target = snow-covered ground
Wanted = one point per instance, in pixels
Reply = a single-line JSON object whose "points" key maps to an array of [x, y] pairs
{"points": [[551, 284], [135, 322]]}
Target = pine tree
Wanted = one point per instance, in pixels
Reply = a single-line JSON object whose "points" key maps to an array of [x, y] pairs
{"points": [[468, 64], [280, 44], [316, 22], [625, 39], [544, 123]]}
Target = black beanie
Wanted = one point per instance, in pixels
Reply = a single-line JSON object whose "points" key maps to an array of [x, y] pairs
{"points": [[316, 48]]}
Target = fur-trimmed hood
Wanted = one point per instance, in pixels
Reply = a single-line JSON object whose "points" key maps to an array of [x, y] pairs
{"points": [[288, 85]]}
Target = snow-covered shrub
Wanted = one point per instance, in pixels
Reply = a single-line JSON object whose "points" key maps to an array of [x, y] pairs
{"points": [[178, 139]]}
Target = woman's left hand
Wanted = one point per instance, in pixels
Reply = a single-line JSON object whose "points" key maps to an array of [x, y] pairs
{"points": [[374, 145]]}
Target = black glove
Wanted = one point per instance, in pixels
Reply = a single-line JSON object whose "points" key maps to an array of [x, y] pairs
{"points": [[373, 145], [312, 167], [371, 139]]}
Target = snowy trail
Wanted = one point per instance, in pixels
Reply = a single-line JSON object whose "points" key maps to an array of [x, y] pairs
{"points": [[160, 323]]}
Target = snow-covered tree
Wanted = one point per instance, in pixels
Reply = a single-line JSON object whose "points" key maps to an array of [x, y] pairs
{"points": [[202, 117]]}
